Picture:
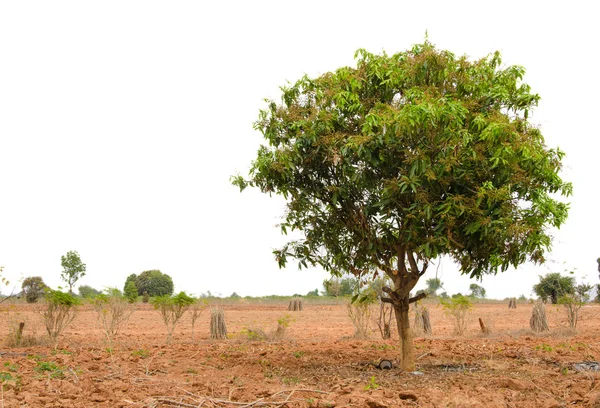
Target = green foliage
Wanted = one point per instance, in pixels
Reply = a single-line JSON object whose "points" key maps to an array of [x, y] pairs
{"points": [[87, 292], [73, 268], [336, 286], [372, 384], [553, 285], [313, 293], [476, 291], [145, 297], [33, 288], [419, 149], [130, 278], [433, 285], [155, 283], [458, 307], [50, 368], [59, 312], [234, 295], [171, 309], [131, 291]]}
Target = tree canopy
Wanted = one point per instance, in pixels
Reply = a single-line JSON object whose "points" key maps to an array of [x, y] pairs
{"points": [[554, 285], [73, 268], [154, 282], [476, 291], [33, 288], [405, 158]]}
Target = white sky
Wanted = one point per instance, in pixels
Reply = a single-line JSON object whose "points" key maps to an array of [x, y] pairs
{"points": [[122, 121]]}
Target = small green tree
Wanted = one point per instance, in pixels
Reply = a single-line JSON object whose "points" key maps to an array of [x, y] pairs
{"points": [[59, 312], [553, 285], [458, 307], [155, 283], [476, 291], [131, 291], [337, 286], [130, 278], [172, 309], [87, 292], [73, 268], [33, 288]]}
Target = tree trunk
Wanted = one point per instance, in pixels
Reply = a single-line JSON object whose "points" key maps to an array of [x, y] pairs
{"points": [[406, 335]]}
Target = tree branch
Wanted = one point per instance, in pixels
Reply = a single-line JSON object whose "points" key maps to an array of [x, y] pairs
{"points": [[414, 268], [420, 296], [425, 265], [387, 300]]}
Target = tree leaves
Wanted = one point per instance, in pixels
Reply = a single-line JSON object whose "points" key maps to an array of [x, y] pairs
{"points": [[419, 152]]}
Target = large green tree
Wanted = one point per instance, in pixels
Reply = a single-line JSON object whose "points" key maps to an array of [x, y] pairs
{"points": [[154, 282], [33, 288], [406, 158], [554, 285], [73, 269]]}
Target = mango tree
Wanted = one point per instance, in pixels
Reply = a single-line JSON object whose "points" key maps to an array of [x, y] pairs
{"points": [[406, 158]]}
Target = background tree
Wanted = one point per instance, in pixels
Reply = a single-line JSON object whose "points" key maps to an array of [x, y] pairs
{"points": [[131, 291], [313, 293], [476, 291], [73, 269], [406, 158], [553, 285], [336, 286], [88, 292], [33, 288], [433, 285], [130, 278], [155, 283]]}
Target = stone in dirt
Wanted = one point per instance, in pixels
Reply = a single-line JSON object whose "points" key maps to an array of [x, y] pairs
{"points": [[513, 384]]}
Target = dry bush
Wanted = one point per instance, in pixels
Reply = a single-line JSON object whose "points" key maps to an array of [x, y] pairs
{"points": [[113, 312], [22, 331], [196, 310], [383, 319], [571, 305], [360, 313], [279, 333]]}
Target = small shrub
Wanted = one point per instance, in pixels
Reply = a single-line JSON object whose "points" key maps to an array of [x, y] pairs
{"points": [[360, 312], [33, 288], [113, 311], [59, 312], [145, 297], [458, 307], [571, 304], [196, 310], [172, 309]]}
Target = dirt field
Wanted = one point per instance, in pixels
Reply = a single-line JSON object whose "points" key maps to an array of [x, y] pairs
{"points": [[317, 364]]}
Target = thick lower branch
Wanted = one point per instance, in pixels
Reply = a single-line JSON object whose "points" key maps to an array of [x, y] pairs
{"points": [[420, 296]]}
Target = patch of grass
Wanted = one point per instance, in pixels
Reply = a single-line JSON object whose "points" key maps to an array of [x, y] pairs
{"points": [[298, 354], [544, 347], [7, 380], [386, 347], [54, 370], [191, 371], [290, 380], [11, 366], [372, 384], [141, 353]]}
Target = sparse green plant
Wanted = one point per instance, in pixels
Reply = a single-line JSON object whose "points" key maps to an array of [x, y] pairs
{"points": [[113, 311], [457, 307], [8, 380], [141, 353], [171, 309], [298, 354], [196, 310], [87, 292], [14, 367], [59, 312], [372, 384], [145, 297], [544, 347], [51, 368], [571, 304]]}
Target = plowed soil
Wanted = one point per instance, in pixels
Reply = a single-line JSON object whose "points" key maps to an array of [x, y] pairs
{"points": [[316, 364]]}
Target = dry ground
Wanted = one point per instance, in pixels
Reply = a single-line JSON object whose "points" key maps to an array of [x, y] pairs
{"points": [[317, 364]]}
